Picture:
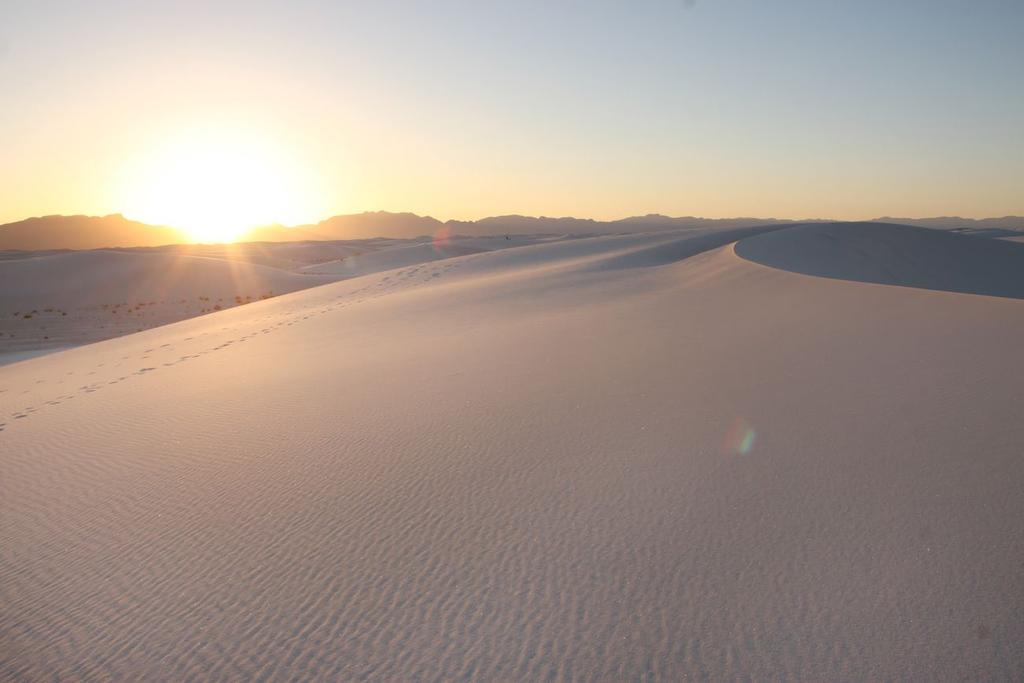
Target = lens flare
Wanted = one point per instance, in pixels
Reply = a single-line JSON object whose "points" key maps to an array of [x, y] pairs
{"points": [[739, 440], [442, 238]]}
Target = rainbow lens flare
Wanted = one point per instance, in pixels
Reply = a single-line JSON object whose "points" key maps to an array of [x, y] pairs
{"points": [[442, 238], [739, 440]]}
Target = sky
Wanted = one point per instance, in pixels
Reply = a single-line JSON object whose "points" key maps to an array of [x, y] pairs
{"points": [[294, 111]]}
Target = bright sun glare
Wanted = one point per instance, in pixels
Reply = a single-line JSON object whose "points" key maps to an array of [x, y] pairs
{"points": [[215, 185]]}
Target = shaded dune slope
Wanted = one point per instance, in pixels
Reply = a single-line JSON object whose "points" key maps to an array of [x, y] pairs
{"points": [[618, 458], [390, 258], [894, 255]]}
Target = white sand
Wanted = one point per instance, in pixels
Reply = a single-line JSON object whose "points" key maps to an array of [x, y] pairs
{"points": [[72, 298], [527, 465], [50, 301], [406, 254], [97, 277]]}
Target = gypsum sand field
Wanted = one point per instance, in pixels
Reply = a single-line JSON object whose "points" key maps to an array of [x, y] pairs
{"points": [[619, 458]]}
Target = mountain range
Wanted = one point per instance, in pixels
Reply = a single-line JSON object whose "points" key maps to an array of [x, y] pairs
{"points": [[96, 232]]}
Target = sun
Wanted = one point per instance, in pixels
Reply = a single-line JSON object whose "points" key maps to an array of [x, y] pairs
{"points": [[217, 184]]}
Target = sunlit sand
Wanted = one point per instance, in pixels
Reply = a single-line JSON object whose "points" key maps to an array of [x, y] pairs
{"points": [[615, 458], [118, 292]]}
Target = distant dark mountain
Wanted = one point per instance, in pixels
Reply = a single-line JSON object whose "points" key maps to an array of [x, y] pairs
{"points": [[370, 224], [499, 225], [408, 225], [351, 227], [84, 232]]}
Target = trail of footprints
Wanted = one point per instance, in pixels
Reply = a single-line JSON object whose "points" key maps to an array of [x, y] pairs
{"points": [[412, 276]]}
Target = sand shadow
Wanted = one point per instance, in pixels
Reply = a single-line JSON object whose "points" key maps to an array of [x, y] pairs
{"points": [[679, 246], [890, 254]]}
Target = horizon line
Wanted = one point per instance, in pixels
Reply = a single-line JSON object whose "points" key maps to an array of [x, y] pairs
{"points": [[531, 217]]}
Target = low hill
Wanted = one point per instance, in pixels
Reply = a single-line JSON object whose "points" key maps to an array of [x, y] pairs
{"points": [[353, 227], [76, 297], [84, 232]]}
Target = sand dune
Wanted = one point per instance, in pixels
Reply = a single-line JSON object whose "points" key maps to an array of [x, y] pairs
{"points": [[111, 276], [402, 253], [56, 300], [618, 458], [895, 255], [282, 255], [390, 258], [71, 298]]}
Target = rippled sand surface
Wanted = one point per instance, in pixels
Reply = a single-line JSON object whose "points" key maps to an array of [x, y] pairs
{"points": [[621, 458]]}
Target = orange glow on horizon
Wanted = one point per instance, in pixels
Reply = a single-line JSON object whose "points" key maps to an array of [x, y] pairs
{"points": [[217, 184]]}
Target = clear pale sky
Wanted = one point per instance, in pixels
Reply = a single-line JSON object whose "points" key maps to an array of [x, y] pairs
{"points": [[597, 108]]}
